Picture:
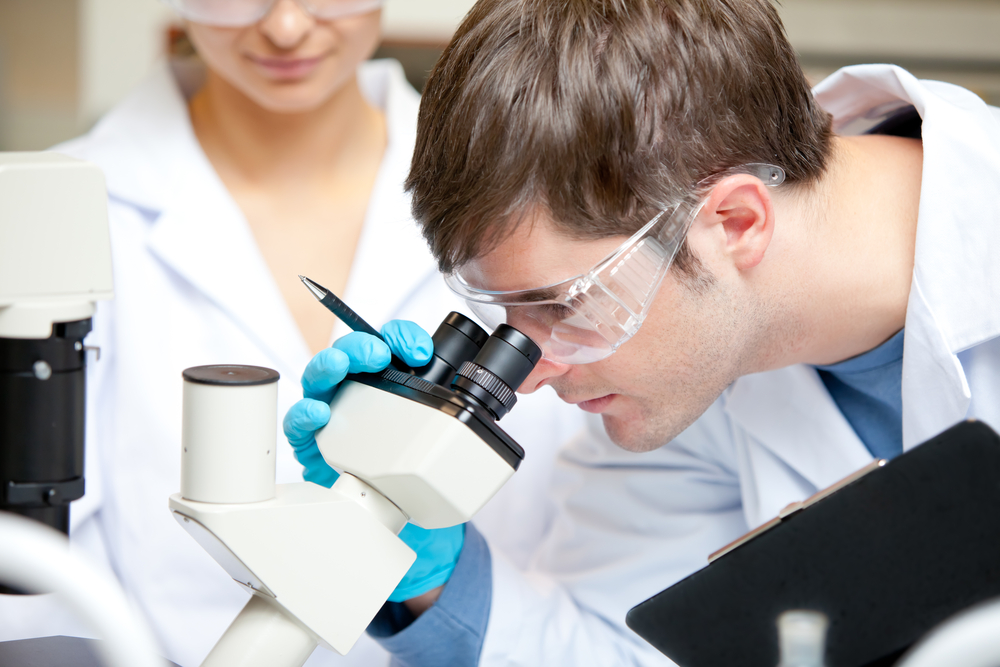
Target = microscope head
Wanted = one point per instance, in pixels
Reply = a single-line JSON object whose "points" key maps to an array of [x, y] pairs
{"points": [[409, 448], [55, 263], [434, 450]]}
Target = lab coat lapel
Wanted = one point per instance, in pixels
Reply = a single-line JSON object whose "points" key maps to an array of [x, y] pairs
{"points": [[206, 242], [203, 236], [390, 237], [956, 280], [790, 413], [936, 392]]}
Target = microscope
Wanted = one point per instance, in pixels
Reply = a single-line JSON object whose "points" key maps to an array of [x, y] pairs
{"points": [[55, 263], [418, 445]]}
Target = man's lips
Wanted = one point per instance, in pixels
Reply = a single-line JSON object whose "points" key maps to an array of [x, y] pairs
{"points": [[595, 405], [286, 68]]}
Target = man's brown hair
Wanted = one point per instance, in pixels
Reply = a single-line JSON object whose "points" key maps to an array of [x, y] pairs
{"points": [[603, 112]]}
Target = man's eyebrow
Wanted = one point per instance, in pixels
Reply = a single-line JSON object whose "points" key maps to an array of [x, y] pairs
{"points": [[543, 294]]}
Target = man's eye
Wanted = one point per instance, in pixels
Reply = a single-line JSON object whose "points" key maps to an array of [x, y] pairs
{"points": [[552, 312]]}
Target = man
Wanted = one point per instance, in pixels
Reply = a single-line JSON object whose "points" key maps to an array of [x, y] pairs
{"points": [[723, 265]]}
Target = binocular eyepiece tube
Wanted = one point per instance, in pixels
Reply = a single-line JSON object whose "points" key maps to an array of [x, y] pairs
{"points": [[485, 369]]}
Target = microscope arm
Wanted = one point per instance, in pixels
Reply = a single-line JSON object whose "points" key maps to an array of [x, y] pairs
{"points": [[319, 563]]}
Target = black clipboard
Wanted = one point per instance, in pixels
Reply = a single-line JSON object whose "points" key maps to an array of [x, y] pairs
{"points": [[886, 556]]}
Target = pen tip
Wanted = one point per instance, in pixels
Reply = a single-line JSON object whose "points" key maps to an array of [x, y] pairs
{"points": [[317, 290]]}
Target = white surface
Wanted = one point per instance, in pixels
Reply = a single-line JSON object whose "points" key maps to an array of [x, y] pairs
{"points": [[178, 243], [431, 465], [329, 562], [228, 450], [630, 525], [119, 42], [894, 29], [36, 558], [423, 20], [969, 639], [55, 254], [262, 636]]}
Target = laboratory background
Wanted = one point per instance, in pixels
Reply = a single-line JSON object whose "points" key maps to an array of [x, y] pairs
{"points": [[64, 63]]}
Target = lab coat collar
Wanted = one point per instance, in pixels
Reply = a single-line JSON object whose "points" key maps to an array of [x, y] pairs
{"points": [[203, 236], [390, 239], [791, 413], [956, 280], [789, 410], [154, 162], [136, 141]]}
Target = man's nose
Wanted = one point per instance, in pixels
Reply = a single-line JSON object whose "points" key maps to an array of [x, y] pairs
{"points": [[287, 24], [544, 372]]}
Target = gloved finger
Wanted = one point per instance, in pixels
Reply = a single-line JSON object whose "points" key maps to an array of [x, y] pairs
{"points": [[409, 342], [366, 353], [303, 420], [324, 372], [316, 469], [437, 550]]}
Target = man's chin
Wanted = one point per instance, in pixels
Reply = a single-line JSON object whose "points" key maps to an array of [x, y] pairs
{"points": [[634, 435]]}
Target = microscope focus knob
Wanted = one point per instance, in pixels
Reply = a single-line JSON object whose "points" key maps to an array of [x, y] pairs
{"points": [[487, 387]]}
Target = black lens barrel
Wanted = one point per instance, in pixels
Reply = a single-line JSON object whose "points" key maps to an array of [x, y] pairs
{"points": [[457, 340], [42, 391], [492, 378], [485, 369]]}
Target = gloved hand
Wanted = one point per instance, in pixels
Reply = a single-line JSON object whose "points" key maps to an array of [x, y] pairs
{"points": [[437, 550]]}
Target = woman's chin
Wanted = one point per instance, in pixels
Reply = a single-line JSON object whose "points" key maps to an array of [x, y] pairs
{"points": [[289, 98]]}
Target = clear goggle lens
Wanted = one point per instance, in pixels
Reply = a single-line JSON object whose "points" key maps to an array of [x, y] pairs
{"points": [[586, 318], [238, 13], [563, 334]]}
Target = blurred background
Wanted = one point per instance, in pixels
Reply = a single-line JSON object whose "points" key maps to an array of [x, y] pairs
{"points": [[63, 63]]}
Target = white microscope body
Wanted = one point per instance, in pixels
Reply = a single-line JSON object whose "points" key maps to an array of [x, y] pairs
{"points": [[321, 562], [55, 264], [55, 255]]}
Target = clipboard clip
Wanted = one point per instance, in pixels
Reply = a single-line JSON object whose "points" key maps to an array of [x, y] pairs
{"points": [[794, 508]]}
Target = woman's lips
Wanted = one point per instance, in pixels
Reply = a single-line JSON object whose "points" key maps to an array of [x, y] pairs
{"points": [[596, 405], [286, 68]]}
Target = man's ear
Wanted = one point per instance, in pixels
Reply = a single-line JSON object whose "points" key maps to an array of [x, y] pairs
{"points": [[742, 213]]}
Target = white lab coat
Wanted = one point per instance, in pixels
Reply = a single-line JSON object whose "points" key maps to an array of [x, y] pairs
{"points": [[630, 525], [193, 288]]}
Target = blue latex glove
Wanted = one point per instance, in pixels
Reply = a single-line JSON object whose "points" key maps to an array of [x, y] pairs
{"points": [[354, 353], [437, 554], [437, 550]]}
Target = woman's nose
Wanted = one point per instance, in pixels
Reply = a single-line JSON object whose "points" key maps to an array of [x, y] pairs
{"points": [[540, 376], [287, 24]]}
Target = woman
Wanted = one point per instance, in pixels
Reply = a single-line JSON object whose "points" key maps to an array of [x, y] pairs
{"points": [[280, 153]]}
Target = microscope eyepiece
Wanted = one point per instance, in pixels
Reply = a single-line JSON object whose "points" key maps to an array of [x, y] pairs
{"points": [[457, 340], [503, 363]]}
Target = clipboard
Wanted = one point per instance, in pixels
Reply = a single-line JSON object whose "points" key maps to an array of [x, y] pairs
{"points": [[887, 554]]}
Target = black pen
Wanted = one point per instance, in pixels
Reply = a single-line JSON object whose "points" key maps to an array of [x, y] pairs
{"points": [[347, 315], [339, 308]]}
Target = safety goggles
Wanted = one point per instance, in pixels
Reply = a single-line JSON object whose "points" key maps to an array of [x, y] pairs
{"points": [[586, 318], [239, 13]]}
